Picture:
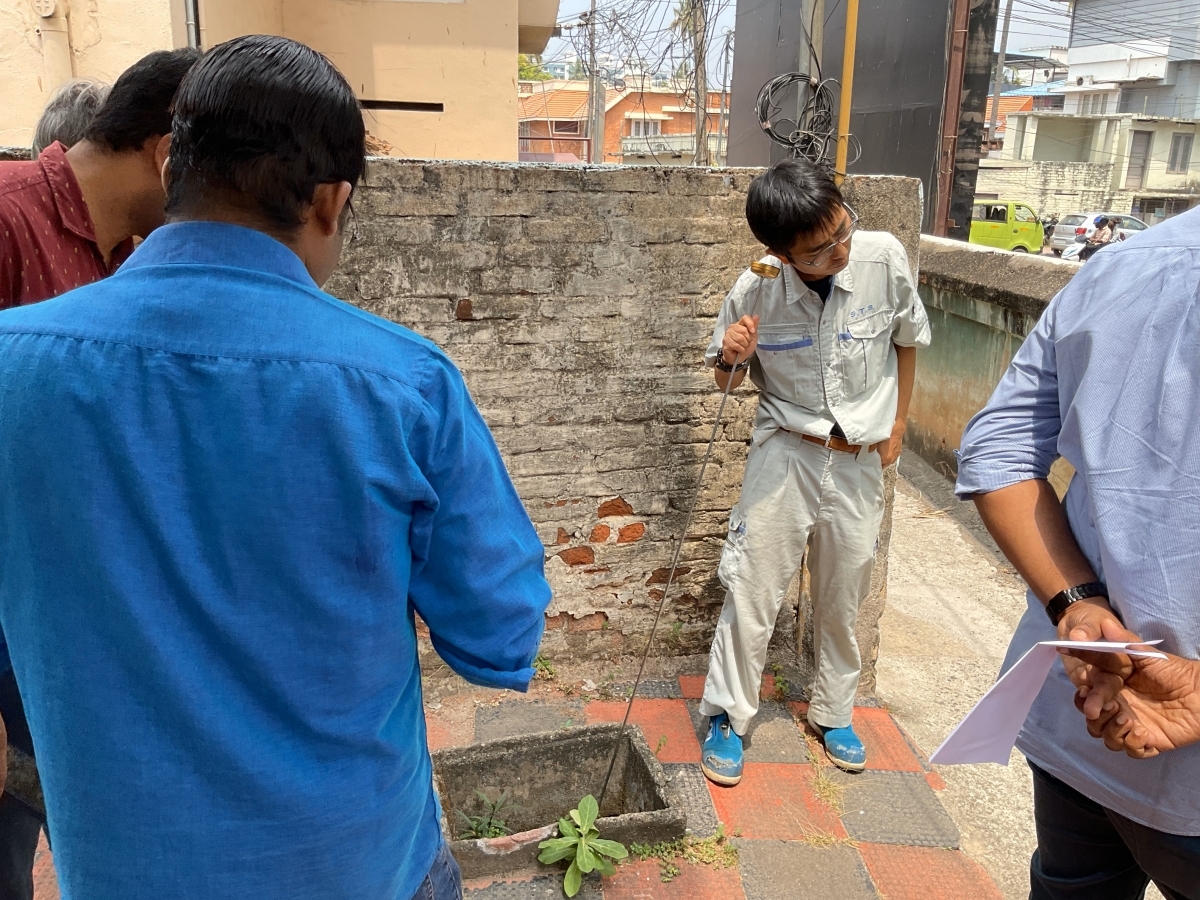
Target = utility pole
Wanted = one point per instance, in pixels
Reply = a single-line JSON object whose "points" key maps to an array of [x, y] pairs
{"points": [[596, 95], [723, 118], [699, 48], [999, 83], [810, 54]]}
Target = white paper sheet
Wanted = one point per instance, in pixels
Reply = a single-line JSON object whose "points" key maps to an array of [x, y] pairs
{"points": [[990, 730]]}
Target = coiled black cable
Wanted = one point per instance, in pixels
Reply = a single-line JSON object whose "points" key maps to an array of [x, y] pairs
{"points": [[812, 134]]}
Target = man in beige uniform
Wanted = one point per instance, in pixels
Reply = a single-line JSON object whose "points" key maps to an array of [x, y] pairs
{"points": [[828, 327]]}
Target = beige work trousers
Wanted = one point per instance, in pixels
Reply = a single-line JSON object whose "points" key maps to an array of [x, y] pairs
{"points": [[794, 489]]}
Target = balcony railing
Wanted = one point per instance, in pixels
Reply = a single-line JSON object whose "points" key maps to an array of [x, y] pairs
{"points": [[672, 145]]}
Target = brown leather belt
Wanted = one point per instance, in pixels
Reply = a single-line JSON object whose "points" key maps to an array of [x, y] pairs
{"points": [[837, 443]]}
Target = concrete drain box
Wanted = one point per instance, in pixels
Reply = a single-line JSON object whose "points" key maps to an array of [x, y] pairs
{"points": [[546, 775]]}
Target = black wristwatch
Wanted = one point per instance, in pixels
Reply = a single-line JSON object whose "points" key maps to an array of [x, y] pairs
{"points": [[1057, 607], [726, 367]]}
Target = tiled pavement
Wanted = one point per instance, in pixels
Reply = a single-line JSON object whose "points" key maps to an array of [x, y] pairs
{"points": [[890, 838]]}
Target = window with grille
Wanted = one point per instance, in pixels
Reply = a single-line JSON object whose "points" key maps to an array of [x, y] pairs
{"points": [[1181, 153], [645, 127]]}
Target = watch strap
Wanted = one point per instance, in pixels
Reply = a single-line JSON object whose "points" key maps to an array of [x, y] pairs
{"points": [[1057, 606]]}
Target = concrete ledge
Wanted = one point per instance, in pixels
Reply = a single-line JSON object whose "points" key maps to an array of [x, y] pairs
{"points": [[1015, 281]]}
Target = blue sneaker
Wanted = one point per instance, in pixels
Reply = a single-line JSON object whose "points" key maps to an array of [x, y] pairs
{"points": [[843, 747], [721, 757]]}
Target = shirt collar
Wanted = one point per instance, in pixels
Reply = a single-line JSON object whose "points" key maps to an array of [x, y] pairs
{"points": [[64, 188], [795, 288], [219, 244]]}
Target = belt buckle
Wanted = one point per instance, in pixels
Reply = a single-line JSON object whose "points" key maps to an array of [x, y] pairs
{"points": [[829, 441]]}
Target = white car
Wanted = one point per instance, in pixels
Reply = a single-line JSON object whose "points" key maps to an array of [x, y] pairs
{"points": [[1076, 224]]}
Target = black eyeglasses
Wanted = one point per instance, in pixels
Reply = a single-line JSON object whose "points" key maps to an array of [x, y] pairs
{"points": [[820, 258]]}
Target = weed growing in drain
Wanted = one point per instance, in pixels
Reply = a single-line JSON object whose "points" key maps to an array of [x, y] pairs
{"points": [[581, 843], [488, 825], [715, 851], [543, 668], [662, 742]]}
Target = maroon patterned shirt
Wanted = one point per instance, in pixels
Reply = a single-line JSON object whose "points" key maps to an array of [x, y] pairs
{"points": [[47, 239]]}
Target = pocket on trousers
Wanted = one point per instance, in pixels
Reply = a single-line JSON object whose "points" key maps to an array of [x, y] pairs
{"points": [[735, 546]]}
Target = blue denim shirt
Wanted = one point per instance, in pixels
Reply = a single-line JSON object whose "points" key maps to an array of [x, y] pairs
{"points": [[1110, 380], [225, 494]]}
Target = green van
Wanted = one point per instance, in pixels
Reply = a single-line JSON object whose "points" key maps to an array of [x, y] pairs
{"points": [[1006, 225]]}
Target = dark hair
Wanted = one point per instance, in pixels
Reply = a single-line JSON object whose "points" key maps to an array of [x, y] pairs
{"points": [[791, 200], [69, 113], [260, 122], [139, 105]]}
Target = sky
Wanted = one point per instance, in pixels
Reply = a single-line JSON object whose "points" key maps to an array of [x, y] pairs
{"points": [[1035, 23]]}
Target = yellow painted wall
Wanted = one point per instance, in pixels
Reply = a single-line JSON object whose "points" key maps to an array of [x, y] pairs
{"points": [[460, 53], [107, 36]]}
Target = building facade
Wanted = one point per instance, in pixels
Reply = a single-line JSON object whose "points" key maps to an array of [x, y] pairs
{"points": [[1124, 139], [643, 125], [436, 77]]}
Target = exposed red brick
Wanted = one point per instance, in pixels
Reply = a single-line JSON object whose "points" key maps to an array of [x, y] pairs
{"points": [[560, 503], [463, 311], [598, 570], [600, 534], [422, 628], [655, 594], [630, 533], [563, 537], [615, 507], [935, 781], [578, 556], [593, 622], [553, 623], [659, 576]]}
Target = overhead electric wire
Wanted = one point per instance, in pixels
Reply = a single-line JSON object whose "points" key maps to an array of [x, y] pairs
{"points": [[812, 134]]}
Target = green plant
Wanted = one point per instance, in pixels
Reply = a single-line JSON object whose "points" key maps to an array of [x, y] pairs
{"points": [[782, 686], [580, 842], [715, 851], [543, 668], [488, 825], [662, 742]]}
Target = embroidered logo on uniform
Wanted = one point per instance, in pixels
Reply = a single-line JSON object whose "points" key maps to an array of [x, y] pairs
{"points": [[862, 311]]}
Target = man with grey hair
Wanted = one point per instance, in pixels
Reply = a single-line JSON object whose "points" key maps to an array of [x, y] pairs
{"points": [[69, 114]]}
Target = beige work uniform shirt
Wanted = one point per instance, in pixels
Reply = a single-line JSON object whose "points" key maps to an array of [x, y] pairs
{"points": [[817, 362]]}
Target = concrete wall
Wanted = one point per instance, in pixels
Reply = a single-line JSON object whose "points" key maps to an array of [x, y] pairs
{"points": [[981, 304], [578, 303], [105, 38], [1056, 188]]}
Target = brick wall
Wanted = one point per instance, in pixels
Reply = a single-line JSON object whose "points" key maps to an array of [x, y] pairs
{"points": [[578, 303], [1053, 188]]}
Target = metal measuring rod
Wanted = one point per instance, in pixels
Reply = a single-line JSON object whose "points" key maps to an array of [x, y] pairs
{"points": [[763, 271]]}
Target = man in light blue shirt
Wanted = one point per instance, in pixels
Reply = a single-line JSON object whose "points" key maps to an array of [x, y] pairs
{"points": [[225, 495], [1110, 380]]}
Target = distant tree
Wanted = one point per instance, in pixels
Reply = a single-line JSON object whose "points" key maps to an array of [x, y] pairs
{"points": [[529, 68], [578, 70]]}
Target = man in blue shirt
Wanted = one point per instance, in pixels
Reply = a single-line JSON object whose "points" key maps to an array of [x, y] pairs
{"points": [[225, 495], [1109, 380]]}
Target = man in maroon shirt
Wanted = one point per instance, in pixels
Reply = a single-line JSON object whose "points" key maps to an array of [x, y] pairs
{"points": [[67, 219]]}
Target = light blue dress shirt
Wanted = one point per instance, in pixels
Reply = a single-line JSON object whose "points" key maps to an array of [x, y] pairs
{"points": [[225, 493], [1110, 380]]}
